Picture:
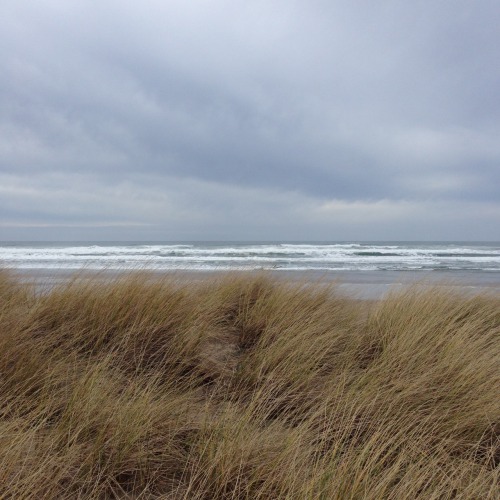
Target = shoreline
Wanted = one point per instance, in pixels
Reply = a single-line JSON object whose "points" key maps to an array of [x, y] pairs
{"points": [[364, 285]]}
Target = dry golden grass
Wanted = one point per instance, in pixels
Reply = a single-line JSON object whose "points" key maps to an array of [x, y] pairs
{"points": [[243, 387]]}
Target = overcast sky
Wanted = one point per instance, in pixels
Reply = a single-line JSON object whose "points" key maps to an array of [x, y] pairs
{"points": [[250, 120]]}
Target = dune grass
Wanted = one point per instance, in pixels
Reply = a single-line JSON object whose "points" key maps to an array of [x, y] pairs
{"points": [[243, 387]]}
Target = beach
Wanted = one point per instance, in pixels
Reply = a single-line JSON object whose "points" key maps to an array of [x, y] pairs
{"points": [[365, 285], [366, 270], [250, 250]]}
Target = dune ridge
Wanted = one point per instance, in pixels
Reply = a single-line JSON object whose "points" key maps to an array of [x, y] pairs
{"points": [[246, 387]]}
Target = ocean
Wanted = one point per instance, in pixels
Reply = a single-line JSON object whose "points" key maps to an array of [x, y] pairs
{"points": [[383, 257]]}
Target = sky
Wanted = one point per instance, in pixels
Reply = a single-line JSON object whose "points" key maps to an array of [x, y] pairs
{"points": [[250, 120]]}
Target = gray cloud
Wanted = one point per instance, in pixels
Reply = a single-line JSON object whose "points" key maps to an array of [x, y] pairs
{"points": [[195, 119]]}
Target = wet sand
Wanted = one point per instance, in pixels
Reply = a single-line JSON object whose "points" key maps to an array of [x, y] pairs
{"points": [[366, 285]]}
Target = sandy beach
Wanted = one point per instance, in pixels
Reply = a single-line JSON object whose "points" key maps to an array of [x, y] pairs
{"points": [[366, 285]]}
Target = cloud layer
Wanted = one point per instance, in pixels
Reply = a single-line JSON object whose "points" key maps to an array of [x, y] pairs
{"points": [[250, 120]]}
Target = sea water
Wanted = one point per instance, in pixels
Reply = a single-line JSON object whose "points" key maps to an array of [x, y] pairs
{"points": [[277, 256]]}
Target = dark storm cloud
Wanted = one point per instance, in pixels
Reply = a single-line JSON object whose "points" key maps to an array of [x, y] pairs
{"points": [[353, 101]]}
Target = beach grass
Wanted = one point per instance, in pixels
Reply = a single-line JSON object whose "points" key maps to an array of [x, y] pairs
{"points": [[241, 386]]}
